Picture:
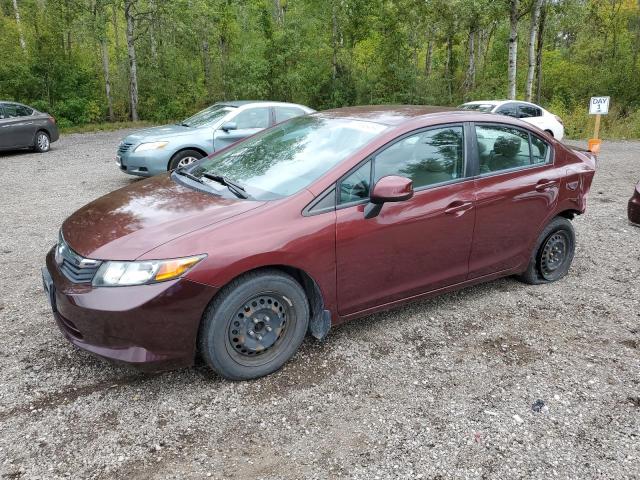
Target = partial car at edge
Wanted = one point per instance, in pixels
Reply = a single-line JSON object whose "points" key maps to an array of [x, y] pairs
{"points": [[525, 111], [322, 219], [155, 150], [633, 207], [22, 126]]}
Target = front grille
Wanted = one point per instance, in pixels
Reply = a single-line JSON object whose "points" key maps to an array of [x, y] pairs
{"points": [[124, 147], [75, 267]]}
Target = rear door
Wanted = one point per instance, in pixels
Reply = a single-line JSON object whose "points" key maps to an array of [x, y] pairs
{"points": [[248, 122], [516, 187], [414, 246]]}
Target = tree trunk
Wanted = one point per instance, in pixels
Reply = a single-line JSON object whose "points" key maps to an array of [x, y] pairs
{"points": [[116, 31], [334, 42], [470, 77], [206, 57], [535, 17], [513, 48], [133, 63], [152, 32], [104, 52], [428, 60], [449, 66], [23, 44], [539, 45], [278, 12]]}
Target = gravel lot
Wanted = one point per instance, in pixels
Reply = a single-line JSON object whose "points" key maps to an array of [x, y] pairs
{"points": [[439, 389]]}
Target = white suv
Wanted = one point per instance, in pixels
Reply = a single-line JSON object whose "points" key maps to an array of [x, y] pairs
{"points": [[529, 112]]}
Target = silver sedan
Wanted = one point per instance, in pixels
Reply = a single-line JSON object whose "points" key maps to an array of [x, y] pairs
{"points": [[156, 150]]}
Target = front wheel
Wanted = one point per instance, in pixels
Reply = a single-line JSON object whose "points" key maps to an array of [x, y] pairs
{"points": [[42, 142], [184, 158], [254, 325], [553, 253]]}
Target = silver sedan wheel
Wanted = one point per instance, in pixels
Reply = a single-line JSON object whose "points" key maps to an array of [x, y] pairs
{"points": [[43, 142], [186, 161]]}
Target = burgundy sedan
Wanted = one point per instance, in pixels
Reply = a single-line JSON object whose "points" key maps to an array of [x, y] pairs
{"points": [[633, 207], [311, 223]]}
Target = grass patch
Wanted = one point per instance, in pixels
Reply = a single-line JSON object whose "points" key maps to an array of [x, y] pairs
{"points": [[104, 127]]}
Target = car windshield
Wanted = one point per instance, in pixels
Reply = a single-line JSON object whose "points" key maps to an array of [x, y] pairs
{"points": [[284, 159], [206, 116], [480, 107]]}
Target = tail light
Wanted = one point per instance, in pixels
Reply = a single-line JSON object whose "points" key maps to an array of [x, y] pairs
{"points": [[53, 119], [559, 120]]}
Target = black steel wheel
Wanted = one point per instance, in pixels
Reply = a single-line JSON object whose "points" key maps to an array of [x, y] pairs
{"points": [[254, 325], [552, 254]]}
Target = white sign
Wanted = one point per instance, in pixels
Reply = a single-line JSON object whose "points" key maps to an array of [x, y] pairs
{"points": [[599, 106]]}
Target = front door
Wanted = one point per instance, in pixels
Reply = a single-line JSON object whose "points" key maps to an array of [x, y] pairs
{"points": [[515, 191], [17, 128], [414, 246]]}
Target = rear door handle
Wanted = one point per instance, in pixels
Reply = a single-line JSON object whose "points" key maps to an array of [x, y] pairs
{"points": [[544, 185], [458, 207]]}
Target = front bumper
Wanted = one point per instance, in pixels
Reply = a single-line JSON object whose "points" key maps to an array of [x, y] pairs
{"points": [[153, 327], [143, 164]]}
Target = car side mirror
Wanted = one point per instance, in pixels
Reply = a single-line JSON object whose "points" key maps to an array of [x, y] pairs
{"points": [[392, 188], [229, 126]]}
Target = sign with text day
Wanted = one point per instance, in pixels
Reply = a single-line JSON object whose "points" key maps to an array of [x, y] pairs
{"points": [[599, 106]]}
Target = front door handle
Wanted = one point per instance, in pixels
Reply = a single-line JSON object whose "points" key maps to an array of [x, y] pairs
{"points": [[544, 185], [458, 207]]}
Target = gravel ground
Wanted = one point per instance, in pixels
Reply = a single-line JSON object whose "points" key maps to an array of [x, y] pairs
{"points": [[439, 389]]}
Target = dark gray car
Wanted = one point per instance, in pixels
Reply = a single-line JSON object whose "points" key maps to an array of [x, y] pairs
{"points": [[25, 127]]}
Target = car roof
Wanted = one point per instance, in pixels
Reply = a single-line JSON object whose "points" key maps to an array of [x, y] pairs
{"points": [[242, 103], [388, 114], [499, 102]]}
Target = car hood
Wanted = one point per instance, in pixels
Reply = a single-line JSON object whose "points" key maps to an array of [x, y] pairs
{"points": [[159, 133], [125, 224]]}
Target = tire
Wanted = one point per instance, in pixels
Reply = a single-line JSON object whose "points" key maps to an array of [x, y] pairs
{"points": [[550, 133], [254, 325], [553, 253], [184, 158], [42, 142]]}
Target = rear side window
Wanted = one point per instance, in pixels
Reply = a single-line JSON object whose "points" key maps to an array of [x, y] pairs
{"points": [[2, 114], [253, 118], [529, 111], [285, 113], [502, 148], [427, 158], [509, 109]]}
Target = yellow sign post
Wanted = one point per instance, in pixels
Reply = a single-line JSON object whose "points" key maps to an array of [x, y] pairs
{"points": [[598, 106]]}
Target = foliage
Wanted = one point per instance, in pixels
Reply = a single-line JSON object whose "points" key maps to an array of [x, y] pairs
{"points": [[326, 54]]}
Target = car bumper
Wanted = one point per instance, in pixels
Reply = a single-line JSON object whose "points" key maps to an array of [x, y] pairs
{"points": [[633, 209], [143, 164], [153, 327]]}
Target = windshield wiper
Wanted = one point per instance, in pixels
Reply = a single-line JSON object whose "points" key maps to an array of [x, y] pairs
{"points": [[184, 173], [237, 189]]}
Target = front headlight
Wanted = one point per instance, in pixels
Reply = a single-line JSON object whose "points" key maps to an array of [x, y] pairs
{"points": [[117, 274], [151, 146]]}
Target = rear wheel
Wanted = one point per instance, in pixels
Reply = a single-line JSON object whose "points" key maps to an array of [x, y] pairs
{"points": [[184, 158], [42, 142], [254, 325], [553, 253], [550, 133]]}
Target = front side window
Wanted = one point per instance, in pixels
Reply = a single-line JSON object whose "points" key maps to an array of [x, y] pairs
{"points": [[206, 116], [508, 109], [529, 111], [285, 113], [252, 118], [427, 158], [502, 148], [355, 186], [286, 158]]}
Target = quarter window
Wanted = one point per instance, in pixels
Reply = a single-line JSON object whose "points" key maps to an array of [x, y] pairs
{"points": [[427, 158], [355, 187], [539, 150], [529, 111], [253, 118], [504, 148]]}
